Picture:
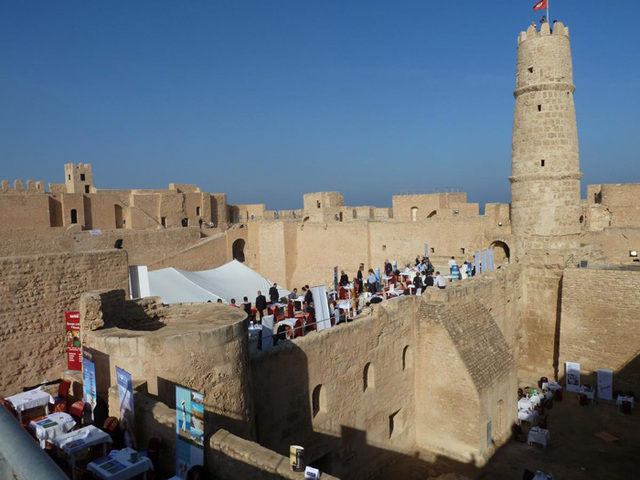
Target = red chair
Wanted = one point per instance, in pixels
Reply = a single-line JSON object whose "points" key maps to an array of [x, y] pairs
{"points": [[61, 402], [557, 395], [290, 311], [342, 293], [76, 411]]}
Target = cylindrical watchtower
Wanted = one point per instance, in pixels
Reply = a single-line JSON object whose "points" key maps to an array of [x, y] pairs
{"points": [[545, 181]]}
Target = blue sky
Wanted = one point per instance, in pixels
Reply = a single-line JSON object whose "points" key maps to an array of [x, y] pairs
{"points": [[268, 99]]}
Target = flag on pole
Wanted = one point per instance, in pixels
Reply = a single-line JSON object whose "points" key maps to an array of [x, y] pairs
{"points": [[541, 5]]}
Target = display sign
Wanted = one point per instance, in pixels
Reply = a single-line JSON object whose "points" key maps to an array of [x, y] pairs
{"points": [[572, 372], [189, 430], [89, 394], [127, 412], [74, 344], [335, 278], [605, 384]]}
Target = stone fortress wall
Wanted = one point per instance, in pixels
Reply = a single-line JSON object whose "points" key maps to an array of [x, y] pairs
{"points": [[35, 293], [440, 371]]}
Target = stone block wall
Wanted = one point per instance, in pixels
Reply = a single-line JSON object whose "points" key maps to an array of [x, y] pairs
{"points": [[35, 293], [199, 346], [600, 324], [313, 392]]}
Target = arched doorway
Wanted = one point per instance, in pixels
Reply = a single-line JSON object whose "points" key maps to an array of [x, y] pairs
{"points": [[501, 252], [237, 250]]}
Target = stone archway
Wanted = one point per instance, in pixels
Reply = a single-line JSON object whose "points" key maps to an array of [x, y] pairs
{"points": [[237, 250], [501, 252]]}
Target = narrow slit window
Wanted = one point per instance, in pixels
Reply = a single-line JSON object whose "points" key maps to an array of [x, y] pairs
{"points": [[539, 108], [542, 163], [530, 69]]}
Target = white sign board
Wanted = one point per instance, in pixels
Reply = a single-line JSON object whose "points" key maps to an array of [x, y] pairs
{"points": [[605, 384], [267, 332], [323, 316], [572, 377]]}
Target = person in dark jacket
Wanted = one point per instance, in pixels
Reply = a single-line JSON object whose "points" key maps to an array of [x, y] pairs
{"points": [[261, 304], [308, 299], [344, 279], [274, 296]]}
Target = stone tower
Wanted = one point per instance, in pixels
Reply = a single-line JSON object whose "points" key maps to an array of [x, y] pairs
{"points": [[545, 172], [545, 189], [78, 178]]}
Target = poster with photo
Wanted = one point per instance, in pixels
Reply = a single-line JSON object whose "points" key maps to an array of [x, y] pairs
{"points": [[74, 344], [89, 394], [189, 430], [572, 377], [127, 412]]}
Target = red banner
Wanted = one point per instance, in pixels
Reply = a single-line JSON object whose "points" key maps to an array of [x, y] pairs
{"points": [[74, 345]]}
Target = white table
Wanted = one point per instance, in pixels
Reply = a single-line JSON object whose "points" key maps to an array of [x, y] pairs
{"points": [[31, 399], [553, 386], [121, 465], [590, 393], [539, 435], [52, 426], [85, 437], [622, 398], [530, 416]]}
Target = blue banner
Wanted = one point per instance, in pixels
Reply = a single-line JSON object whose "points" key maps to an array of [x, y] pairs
{"points": [[189, 430], [89, 394], [127, 412]]}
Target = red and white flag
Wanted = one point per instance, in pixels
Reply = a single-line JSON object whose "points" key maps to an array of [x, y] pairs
{"points": [[541, 5]]}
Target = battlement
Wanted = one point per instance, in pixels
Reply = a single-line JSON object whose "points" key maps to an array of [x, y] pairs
{"points": [[545, 30], [18, 187]]}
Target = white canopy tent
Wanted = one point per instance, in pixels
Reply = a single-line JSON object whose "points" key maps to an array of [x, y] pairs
{"points": [[232, 280]]}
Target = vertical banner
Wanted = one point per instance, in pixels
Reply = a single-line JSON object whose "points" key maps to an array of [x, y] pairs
{"points": [[74, 345], [476, 262], [127, 412], [572, 376], [335, 278], [189, 430], [426, 250], [605, 384], [323, 316], [89, 394], [267, 332]]}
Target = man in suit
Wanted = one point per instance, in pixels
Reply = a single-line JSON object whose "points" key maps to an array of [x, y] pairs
{"points": [[344, 279], [308, 298], [273, 293], [261, 304]]}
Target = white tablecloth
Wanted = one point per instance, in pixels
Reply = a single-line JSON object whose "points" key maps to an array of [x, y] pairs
{"points": [[85, 437], [31, 399], [539, 435], [553, 386], [119, 465], [530, 416], [82, 438], [622, 398], [589, 393], [52, 426]]}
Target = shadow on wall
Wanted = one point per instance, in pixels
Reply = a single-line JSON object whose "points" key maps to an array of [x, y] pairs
{"points": [[306, 418]]}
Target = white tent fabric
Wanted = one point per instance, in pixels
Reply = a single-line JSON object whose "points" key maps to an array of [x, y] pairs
{"points": [[232, 280]]}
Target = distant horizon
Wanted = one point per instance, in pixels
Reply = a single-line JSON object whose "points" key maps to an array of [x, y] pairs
{"points": [[268, 102]]}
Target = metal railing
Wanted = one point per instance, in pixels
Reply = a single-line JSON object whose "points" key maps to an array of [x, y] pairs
{"points": [[23, 454]]}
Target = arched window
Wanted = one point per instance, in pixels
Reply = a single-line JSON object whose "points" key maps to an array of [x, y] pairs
{"points": [[407, 358], [237, 250], [319, 400], [74, 215], [501, 252], [414, 214], [368, 377], [119, 218]]}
